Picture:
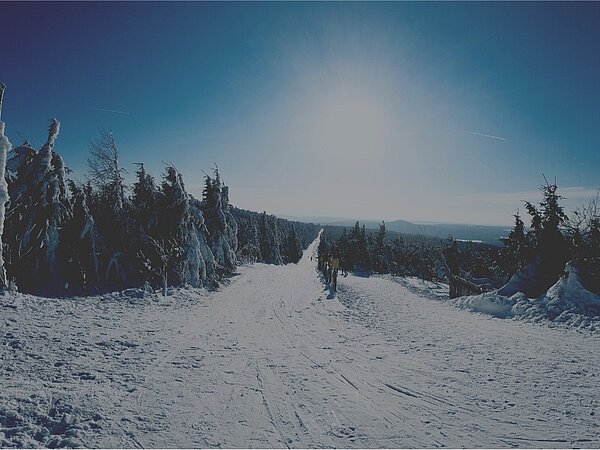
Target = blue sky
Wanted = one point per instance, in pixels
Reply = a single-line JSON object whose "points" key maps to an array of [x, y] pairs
{"points": [[420, 111]]}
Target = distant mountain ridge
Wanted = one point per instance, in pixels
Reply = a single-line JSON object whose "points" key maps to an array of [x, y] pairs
{"points": [[487, 234]]}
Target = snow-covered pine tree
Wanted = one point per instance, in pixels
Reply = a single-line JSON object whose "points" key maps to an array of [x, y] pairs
{"points": [[231, 228], [5, 147], [175, 225], [181, 219], [201, 261], [549, 243], [40, 209], [249, 238], [221, 235], [269, 240], [144, 225], [293, 249], [379, 256], [79, 263], [516, 252], [144, 200]]}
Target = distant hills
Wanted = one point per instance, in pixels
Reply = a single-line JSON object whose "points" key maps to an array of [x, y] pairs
{"points": [[486, 234]]}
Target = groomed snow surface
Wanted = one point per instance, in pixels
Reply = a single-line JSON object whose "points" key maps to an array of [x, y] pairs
{"points": [[270, 361]]}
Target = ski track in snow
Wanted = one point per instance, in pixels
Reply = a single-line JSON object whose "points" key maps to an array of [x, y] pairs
{"points": [[269, 361]]}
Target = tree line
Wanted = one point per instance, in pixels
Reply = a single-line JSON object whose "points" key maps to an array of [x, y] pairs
{"points": [[542, 249], [380, 251], [270, 239], [63, 237]]}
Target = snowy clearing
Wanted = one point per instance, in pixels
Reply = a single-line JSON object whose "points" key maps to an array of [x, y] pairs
{"points": [[269, 361]]}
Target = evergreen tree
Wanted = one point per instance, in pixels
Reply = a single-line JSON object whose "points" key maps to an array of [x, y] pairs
{"points": [[41, 208], [174, 236], [380, 261], [364, 260], [269, 240], [221, 234], [144, 228], [249, 238], [548, 243], [5, 147], [79, 257], [293, 250], [516, 252]]}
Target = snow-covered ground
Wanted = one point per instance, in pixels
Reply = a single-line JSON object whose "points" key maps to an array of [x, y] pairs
{"points": [[270, 361]]}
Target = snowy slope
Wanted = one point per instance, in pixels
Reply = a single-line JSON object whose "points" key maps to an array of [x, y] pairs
{"points": [[269, 361]]}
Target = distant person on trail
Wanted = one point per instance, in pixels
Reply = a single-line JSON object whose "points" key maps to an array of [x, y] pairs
{"points": [[329, 273], [334, 280]]}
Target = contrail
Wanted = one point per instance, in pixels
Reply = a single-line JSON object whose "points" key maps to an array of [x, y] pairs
{"points": [[486, 135], [99, 109]]}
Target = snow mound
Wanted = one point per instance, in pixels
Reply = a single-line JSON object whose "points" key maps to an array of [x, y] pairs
{"points": [[36, 421], [567, 302]]}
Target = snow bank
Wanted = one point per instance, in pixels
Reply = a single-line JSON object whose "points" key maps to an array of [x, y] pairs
{"points": [[566, 302], [43, 421]]}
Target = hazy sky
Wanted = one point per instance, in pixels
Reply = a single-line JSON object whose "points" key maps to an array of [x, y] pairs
{"points": [[419, 111]]}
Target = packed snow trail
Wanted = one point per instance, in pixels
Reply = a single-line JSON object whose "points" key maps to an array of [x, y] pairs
{"points": [[269, 361]]}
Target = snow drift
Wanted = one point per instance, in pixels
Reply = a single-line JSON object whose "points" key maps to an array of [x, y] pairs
{"points": [[567, 302]]}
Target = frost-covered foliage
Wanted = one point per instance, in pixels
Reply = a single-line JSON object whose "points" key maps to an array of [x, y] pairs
{"points": [[105, 235], [95, 237], [269, 244], [39, 210], [220, 224], [292, 249], [5, 147]]}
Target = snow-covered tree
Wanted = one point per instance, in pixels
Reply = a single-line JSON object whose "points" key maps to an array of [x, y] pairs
{"points": [[379, 251], [269, 240], [549, 246], [201, 261], [5, 147], [80, 266], [40, 209], [249, 239], [516, 252], [222, 230], [293, 248], [175, 222], [182, 221]]}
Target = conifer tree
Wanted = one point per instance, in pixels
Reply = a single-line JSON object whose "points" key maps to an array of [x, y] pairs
{"points": [[144, 226], [516, 252], [548, 242], [41, 209], [79, 257], [380, 263], [5, 147], [293, 251], [269, 245], [221, 234], [175, 222]]}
